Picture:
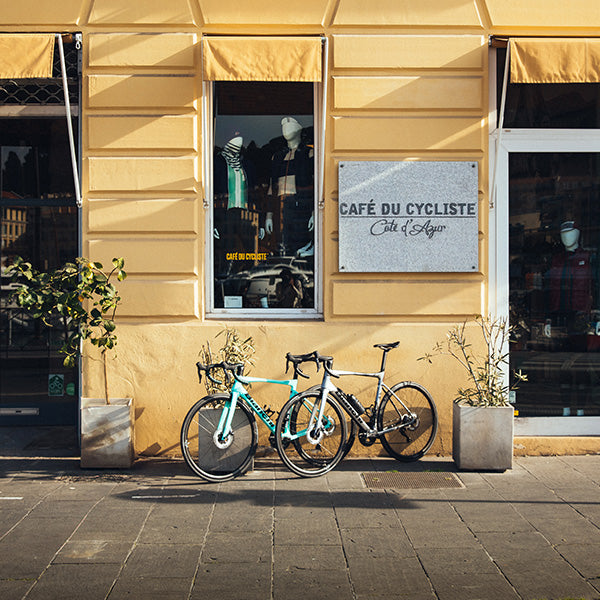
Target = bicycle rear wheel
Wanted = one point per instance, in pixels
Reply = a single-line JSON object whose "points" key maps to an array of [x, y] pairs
{"points": [[310, 453], [413, 440], [205, 453]]}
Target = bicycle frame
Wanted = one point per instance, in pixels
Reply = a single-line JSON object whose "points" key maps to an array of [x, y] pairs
{"points": [[239, 391], [327, 386]]}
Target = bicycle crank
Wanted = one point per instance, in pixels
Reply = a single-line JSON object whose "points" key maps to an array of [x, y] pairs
{"points": [[365, 439]]}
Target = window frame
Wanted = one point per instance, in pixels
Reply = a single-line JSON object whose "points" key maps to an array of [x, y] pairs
{"points": [[211, 312]]}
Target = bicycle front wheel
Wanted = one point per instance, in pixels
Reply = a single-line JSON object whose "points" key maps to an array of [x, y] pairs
{"points": [[418, 413], [208, 454], [351, 425], [310, 452]]}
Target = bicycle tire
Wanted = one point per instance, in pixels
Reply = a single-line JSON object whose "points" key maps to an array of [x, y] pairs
{"points": [[353, 427], [413, 441], [199, 447], [300, 455]]}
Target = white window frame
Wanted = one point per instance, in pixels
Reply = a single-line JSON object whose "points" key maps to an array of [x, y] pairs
{"points": [[208, 145], [526, 140]]}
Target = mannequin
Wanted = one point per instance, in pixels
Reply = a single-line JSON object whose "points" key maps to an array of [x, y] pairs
{"points": [[570, 275], [233, 177], [234, 233], [292, 186]]}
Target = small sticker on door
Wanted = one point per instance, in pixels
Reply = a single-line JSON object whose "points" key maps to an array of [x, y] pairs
{"points": [[56, 384]]}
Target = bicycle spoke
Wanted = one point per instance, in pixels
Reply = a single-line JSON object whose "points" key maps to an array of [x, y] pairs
{"points": [[210, 456], [419, 423], [310, 453]]}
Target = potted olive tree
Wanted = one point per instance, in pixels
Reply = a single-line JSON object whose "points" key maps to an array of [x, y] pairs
{"points": [[81, 298], [482, 420]]}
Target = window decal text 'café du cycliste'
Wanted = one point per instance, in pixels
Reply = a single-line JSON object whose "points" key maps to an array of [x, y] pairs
{"points": [[408, 216]]}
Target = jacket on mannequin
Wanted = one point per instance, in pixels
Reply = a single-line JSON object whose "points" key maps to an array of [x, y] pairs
{"points": [[570, 281]]}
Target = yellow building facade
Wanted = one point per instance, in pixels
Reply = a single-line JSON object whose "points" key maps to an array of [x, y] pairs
{"points": [[404, 81]]}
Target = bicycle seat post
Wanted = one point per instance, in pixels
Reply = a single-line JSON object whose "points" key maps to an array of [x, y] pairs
{"points": [[385, 348], [384, 358]]}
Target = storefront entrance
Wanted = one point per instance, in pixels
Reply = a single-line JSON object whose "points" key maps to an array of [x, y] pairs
{"points": [[548, 190], [39, 222]]}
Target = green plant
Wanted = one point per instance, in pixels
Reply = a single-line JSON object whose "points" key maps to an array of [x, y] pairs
{"points": [[486, 372], [79, 297], [234, 350]]}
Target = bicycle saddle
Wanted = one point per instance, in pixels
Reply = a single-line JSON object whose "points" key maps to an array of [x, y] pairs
{"points": [[387, 346]]}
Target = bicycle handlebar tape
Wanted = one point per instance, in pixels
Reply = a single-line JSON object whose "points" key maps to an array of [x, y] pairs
{"points": [[298, 359], [327, 366], [200, 368], [215, 381]]}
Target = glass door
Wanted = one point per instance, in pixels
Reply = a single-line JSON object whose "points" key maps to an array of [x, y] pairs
{"points": [[548, 275], [39, 222]]}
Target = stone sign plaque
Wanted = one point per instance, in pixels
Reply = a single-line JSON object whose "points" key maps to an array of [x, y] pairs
{"points": [[408, 216]]}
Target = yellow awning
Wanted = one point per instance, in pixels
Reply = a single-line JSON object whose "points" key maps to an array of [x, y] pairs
{"points": [[23, 56], [262, 58], [554, 60]]}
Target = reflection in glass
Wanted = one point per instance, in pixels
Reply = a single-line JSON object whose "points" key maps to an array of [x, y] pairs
{"points": [[548, 105], [263, 195], [554, 274], [39, 222]]}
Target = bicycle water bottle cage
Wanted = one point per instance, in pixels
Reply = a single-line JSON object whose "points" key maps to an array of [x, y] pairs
{"points": [[356, 405], [387, 346]]}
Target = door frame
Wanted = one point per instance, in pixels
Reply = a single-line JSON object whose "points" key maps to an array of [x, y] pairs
{"points": [[528, 140]]}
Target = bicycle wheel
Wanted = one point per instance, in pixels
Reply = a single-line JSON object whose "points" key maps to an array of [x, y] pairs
{"points": [[208, 456], [413, 440], [310, 453]]}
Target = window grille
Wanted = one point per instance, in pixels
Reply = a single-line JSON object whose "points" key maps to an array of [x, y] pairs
{"points": [[44, 92]]}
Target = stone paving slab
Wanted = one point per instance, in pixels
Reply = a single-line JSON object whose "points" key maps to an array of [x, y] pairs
{"points": [[157, 531]]}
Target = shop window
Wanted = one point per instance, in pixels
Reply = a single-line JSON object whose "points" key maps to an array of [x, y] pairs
{"points": [[548, 105], [550, 191], [262, 199]]}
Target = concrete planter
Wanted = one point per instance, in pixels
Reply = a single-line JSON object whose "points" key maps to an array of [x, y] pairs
{"points": [[106, 433], [482, 437]]}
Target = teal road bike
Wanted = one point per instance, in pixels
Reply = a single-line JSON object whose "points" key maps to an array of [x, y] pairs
{"points": [[219, 435]]}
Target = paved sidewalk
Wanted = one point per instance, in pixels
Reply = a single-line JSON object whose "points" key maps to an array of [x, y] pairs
{"points": [[156, 531]]}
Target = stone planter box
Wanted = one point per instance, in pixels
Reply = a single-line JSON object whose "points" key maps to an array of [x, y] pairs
{"points": [[482, 437], [107, 433]]}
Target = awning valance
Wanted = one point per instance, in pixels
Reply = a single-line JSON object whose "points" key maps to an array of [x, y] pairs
{"points": [[554, 60], [28, 55], [262, 58]]}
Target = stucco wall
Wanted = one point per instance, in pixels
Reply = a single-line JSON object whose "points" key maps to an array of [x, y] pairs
{"points": [[408, 81]]}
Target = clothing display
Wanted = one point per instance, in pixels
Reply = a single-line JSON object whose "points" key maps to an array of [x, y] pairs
{"points": [[233, 176], [234, 227], [292, 183], [570, 281]]}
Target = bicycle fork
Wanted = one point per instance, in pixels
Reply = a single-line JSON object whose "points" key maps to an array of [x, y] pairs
{"points": [[223, 435]]}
